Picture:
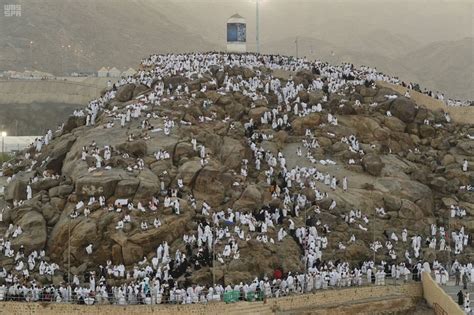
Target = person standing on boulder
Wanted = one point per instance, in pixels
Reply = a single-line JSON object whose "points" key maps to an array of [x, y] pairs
{"points": [[29, 192], [465, 165], [448, 118], [344, 183]]}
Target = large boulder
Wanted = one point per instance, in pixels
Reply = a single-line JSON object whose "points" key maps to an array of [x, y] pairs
{"points": [[73, 234], [72, 123], [171, 230], [148, 187], [97, 184], [140, 89], [315, 97], [426, 131], [188, 170], [131, 253], [56, 154], [372, 164], [51, 214], [300, 124], [409, 210], [411, 190], [44, 184], [126, 188], [61, 191], [207, 186], [392, 203], [231, 153], [183, 150], [224, 100], [174, 81], [83, 234], [16, 189], [357, 251], [125, 92], [117, 257], [404, 109], [34, 231], [251, 198], [256, 113], [194, 85], [137, 148], [394, 124], [367, 91], [306, 75], [466, 147]]}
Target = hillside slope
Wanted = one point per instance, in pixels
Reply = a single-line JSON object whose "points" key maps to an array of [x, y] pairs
{"points": [[132, 28]]}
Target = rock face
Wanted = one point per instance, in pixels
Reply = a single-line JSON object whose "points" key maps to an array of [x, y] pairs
{"points": [[135, 148], [372, 164], [299, 125], [411, 169], [125, 93], [34, 227], [97, 185], [16, 190], [404, 109], [56, 153], [251, 198]]}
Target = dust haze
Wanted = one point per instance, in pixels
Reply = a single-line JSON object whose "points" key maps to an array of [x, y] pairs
{"points": [[430, 42]]}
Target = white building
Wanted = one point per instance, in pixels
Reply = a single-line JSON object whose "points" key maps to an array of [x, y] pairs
{"points": [[11, 144], [236, 34], [103, 72], [114, 73], [128, 72], [27, 75]]}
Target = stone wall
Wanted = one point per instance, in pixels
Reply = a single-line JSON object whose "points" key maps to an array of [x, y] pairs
{"points": [[48, 91], [434, 294], [342, 301]]}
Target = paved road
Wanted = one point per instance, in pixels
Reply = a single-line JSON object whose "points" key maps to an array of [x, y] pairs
{"points": [[452, 290]]}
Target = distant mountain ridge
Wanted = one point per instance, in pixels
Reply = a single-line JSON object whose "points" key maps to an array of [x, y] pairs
{"points": [[446, 66], [69, 35], [117, 33]]}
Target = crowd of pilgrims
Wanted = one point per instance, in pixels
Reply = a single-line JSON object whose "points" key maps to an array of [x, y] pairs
{"points": [[148, 286], [219, 233], [436, 95]]}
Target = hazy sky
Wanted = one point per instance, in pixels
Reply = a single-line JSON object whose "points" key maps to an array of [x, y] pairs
{"points": [[408, 38], [425, 21]]}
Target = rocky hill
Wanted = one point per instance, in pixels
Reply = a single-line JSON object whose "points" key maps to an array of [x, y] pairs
{"points": [[409, 167]]}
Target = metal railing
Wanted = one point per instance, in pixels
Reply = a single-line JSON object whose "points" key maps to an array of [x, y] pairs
{"points": [[49, 295]]}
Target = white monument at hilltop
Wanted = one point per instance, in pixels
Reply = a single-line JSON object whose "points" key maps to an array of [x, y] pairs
{"points": [[236, 34]]}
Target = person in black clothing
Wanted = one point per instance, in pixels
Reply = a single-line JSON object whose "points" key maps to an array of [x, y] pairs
{"points": [[326, 89], [460, 298], [415, 273], [464, 281]]}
